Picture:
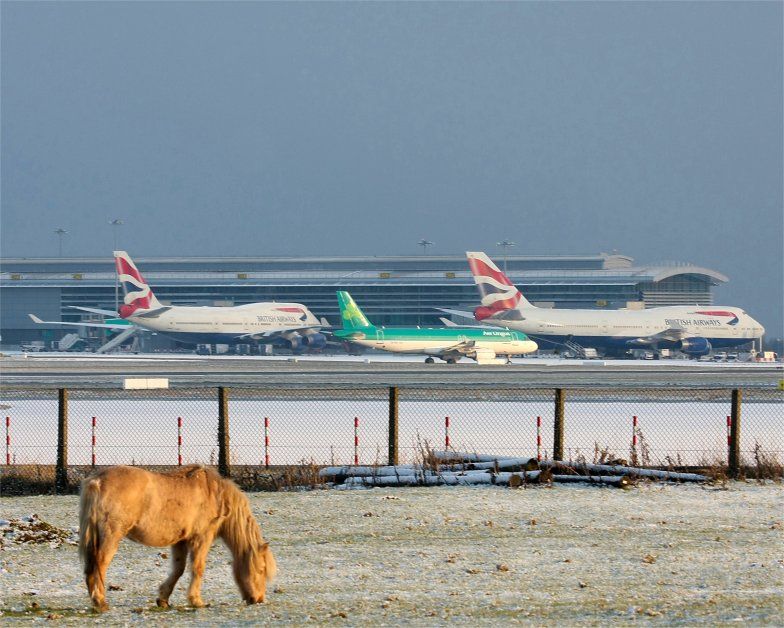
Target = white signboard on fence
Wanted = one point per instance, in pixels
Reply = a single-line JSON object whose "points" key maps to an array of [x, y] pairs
{"points": [[145, 383]]}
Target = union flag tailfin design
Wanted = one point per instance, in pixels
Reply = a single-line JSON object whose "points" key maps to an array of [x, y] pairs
{"points": [[498, 293], [138, 295]]}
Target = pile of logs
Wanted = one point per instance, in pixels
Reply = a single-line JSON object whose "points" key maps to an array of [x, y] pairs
{"points": [[456, 468]]}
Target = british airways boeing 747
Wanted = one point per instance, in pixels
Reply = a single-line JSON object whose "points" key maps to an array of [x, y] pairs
{"points": [[694, 330]]}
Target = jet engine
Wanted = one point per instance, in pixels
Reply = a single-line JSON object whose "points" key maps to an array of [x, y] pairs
{"points": [[305, 342], [695, 346], [314, 340], [484, 356]]}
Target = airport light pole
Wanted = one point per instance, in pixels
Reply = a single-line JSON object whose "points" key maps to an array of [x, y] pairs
{"points": [[115, 223], [60, 233], [505, 244], [424, 244]]}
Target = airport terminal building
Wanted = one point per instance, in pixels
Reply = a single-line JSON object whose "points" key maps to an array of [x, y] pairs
{"points": [[390, 290]]}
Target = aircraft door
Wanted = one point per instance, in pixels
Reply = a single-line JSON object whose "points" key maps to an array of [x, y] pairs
{"points": [[380, 337]]}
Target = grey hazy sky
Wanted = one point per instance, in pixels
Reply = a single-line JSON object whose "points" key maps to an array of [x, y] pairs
{"points": [[349, 128]]}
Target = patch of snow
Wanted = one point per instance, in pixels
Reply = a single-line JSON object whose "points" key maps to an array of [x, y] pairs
{"points": [[430, 556]]}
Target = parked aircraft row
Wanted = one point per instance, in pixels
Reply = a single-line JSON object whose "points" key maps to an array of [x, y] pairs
{"points": [[505, 323]]}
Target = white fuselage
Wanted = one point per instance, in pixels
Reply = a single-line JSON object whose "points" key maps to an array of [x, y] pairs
{"points": [[719, 324], [226, 324], [452, 341], [436, 347]]}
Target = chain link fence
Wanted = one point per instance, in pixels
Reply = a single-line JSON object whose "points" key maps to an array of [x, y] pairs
{"points": [[650, 427], [500, 422], [672, 427]]}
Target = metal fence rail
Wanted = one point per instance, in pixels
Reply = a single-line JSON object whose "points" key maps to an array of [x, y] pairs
{"points": [[289, 426]]}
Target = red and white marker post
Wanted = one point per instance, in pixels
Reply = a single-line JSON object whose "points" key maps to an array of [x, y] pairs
{"points": [[93, 444], [729, 431], [538, 438], [356, 440], [179, 441], [446, 433], [266, 442], [8, 441]]}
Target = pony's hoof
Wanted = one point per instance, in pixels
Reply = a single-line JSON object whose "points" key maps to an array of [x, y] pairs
{"points": [[197, 604], [162, 603]]}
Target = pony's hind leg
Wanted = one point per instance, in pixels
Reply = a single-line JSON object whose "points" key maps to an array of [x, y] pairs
{"points": [[179, 558], [199, 549], [95, 571]]}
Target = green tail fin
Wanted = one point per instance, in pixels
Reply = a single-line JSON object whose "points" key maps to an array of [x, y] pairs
{"points": [[350, 314]]}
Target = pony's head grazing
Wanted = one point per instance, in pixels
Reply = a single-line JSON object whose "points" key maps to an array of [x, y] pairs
{"points": [[253, 563]]}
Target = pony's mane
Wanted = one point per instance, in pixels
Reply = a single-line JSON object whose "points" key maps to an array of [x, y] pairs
{"points": [[240, 529], [242, 534]]}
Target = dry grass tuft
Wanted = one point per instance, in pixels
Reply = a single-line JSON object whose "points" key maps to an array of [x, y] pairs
{"points": [[303, 475], [767, 466]]}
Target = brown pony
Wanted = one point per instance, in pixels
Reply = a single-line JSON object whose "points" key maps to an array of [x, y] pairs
{"points": [[186, 509]]}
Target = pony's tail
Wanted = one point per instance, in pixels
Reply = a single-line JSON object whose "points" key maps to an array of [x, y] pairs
{"points": [[89, 529], [270, 565]]}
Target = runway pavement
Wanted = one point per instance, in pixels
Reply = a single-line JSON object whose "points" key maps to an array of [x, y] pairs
{"points": [[184, 370]]}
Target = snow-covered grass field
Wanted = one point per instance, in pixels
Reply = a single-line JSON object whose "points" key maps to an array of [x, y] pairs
{"points": [[576, 555]]}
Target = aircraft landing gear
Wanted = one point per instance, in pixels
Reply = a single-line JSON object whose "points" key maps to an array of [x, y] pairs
{"points": [[451, 360], [429, 360]]}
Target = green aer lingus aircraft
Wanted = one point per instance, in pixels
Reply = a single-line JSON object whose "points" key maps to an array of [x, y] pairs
{"points": [[448, 343]]}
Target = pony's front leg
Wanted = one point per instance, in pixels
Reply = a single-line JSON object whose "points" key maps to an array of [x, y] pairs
{"points": [[199, 549], [179, 558]]}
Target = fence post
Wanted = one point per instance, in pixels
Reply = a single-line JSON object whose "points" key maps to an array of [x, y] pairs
{"points": [[558, 426], [224, 464], [8, 440], [61, 470], [734, 444], [394, 456]]}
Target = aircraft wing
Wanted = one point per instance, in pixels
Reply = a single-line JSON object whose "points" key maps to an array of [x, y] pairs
{"points": [[94, 310], [447, 322], [270, 332], [154, 313], [38, 321], [450, 323], [671, 334], [461, 348], [460, 313], [495, 321]]}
